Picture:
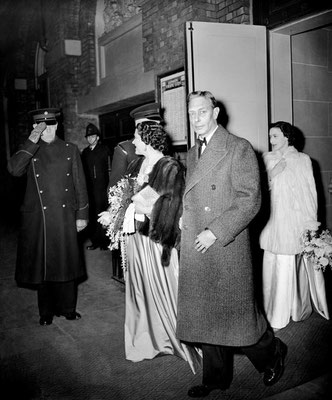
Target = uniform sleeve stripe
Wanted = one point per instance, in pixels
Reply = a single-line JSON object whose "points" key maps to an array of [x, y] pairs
{"points": [[83, 208], [24, 151]]}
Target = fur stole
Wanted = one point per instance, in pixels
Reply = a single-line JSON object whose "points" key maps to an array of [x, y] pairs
{"points": [[168, 179]]}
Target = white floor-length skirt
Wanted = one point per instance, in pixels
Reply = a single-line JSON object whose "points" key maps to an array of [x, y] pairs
{"points": [[292, 288], [151, 304]]}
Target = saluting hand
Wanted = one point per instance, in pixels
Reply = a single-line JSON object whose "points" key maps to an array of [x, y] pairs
{"points": [[37, 131]]}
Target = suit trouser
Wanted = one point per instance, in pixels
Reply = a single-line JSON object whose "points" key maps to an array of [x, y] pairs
{"points": [[97, 232], [218, 360], [57, 298]]}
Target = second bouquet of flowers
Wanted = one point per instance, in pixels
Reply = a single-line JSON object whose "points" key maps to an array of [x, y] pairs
{"points": [[318, 248]]}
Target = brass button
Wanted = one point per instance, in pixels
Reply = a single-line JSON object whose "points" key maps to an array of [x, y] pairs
{"points": [[213, 187]]}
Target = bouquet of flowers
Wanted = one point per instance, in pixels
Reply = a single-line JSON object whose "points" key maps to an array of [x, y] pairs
{"points": [[119, 198], [318, 248]]}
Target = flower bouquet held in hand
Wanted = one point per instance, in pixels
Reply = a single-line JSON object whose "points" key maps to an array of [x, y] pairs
{"points": [[318, 248], [119, 198]]}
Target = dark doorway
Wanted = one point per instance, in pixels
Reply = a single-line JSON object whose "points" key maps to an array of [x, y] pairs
{"points": [[117, 126]]}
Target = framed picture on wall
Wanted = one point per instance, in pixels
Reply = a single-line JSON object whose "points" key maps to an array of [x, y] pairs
{"points": [[172, 93]]}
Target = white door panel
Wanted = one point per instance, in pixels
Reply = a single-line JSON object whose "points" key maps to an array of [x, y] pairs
{"points": [[281, 77], [230, 61]]}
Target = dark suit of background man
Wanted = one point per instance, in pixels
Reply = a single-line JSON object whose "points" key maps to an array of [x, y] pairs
{"points": [[216, 303], [124, 152], [54, 209], [96, 158]]}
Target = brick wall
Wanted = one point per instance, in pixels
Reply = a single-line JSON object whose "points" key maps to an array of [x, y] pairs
{"points": [[20, 65], [71, 76], [279, 12], [86, 33], [164, 21]]}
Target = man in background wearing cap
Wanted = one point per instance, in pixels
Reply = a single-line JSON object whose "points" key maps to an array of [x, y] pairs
{"points": [[95, 159], [54, 209], [124, 152]]}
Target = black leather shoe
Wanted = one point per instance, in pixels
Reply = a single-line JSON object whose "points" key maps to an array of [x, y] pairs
{"points": [[45, 320], [203, 390], [73, 316], [92, 247], [272, 375]]}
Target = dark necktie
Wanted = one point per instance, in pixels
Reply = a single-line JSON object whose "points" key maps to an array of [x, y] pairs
{"points": [[200, 143]]}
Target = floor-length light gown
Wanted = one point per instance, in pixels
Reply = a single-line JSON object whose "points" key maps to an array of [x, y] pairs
{"points": [[151, 304], [292, 288]]}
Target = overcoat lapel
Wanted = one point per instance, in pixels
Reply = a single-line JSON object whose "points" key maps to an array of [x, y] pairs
{"points": [[212, 155]]}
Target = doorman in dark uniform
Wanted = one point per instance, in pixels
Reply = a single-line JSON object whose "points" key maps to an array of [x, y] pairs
{"points": [[96, 159], [54, 209]]}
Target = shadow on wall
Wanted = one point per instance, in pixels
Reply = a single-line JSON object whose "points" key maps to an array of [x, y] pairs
{"points": [[299, 145], [223, 117]]}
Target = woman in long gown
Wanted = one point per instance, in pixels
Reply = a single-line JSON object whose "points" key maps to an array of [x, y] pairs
{"points": [[290, 284], [151, 277]]}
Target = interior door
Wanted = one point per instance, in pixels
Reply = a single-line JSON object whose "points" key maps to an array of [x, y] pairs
{"points": [[231, 62]]}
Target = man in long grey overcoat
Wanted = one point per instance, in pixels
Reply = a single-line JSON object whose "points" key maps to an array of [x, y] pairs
{"points": [[54, 209], [216, 301]]}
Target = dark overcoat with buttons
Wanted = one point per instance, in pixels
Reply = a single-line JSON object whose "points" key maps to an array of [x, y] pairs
{"points": [[216, 300], [95, 164], [124, 154], [55, 198]]}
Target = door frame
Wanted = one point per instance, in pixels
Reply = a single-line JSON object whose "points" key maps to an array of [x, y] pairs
{"points": [[280, 60]]}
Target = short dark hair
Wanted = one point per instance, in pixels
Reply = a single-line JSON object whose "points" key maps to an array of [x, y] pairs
{"points": [[287, 130], [153, 134], [203, 93]]}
